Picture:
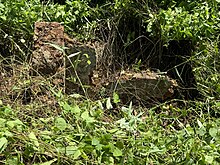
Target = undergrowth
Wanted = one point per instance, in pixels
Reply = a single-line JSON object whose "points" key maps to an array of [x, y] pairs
{"points": [[55, 128], [81, 134]]}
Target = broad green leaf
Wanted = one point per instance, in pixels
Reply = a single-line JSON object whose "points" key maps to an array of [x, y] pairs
{"points": [[217, 104], [76, 109], [3, 17], [2, 6], [2, 122], [95, 141], [108, 103], [85, 116], [3, 144], [209, 159], [70, 150], [213, 132], [67, 107], [116, 98], [33, 139], [60, 123], [99, 147], [14, 123], [77, 154], [7, 109], [117, 152]]}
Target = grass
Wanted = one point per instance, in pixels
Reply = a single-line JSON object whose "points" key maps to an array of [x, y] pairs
{"points": [[82, 133]]}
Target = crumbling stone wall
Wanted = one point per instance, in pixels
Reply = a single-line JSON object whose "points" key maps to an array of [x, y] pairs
{"points": [[47, 58]]}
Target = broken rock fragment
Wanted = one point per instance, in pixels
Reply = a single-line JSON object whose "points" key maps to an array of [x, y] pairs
{"points": [[47, 56]]}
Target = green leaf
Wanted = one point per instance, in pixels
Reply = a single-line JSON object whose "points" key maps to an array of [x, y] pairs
{"points": [[85, 116], [213, 132], [3, 144], [70, 150], [117, 152], [2, 6], [77, 154], [95, 141], [88, 62], [66, 107], [209, 159], [2, 122], [3, 17], [108, 104], [14, 123], [116, 98], [33, 139], [60, 123], [76, 109], [217, 104]]}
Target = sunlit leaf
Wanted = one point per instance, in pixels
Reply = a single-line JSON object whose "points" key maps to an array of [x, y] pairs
{"points": [[76, 109], [209, 159], [60, 123], [77, 154], [116, 98], [108, 103], [117, 152], [95, 141], [85, 116], [213, 132], [217, 104], [14, 123], [3, 144], [70, 150], [2, 122], [33, 139]]}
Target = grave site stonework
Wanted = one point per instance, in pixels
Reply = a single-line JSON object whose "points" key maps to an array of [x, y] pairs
{"points": [[79, 63]]}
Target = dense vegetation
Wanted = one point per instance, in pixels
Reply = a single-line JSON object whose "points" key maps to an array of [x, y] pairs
{"points": [[79, 131]]}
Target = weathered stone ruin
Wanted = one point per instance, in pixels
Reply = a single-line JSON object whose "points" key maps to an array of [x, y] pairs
{"points": [[81, 74], [47, 58]]}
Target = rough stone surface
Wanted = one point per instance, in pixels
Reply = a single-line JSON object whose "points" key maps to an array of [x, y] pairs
{"points": [[143, 85], [80, 63], [47, 57]]}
